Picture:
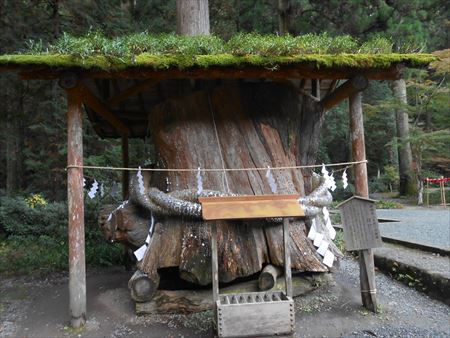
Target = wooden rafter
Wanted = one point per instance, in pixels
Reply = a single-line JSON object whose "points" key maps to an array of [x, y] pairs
{"points": [[132, 91], [100, 108], [350, 87]]}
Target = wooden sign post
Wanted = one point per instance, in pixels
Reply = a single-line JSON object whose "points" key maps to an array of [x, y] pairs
{"points": [[253, 313], [361, 232], [366, 263]]}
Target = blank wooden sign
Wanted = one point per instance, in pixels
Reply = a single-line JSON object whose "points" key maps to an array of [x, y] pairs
{"points": [[360, 224], [248, 207]]}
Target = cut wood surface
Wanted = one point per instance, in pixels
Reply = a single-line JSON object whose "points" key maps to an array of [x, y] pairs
{"points": [[268, 277], [142, 287], [249, 134]]}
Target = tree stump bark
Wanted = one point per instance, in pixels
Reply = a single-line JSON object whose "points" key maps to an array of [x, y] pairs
{"points": [[237, 125]]}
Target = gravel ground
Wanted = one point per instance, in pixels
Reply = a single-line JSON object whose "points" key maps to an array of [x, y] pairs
{"points": [[33, 307], [418, 225], [336, 311]]}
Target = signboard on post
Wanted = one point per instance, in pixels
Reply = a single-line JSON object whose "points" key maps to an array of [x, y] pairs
{"points": [[360, 223]]}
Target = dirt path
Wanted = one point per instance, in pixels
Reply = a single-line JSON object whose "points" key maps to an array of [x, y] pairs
{"points": [[36, 307]]}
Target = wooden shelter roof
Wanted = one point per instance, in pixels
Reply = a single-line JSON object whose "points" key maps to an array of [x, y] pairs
{"points": [[124, 77], [322, 66]]}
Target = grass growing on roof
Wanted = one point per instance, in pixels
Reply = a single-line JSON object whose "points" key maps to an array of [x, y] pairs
{"points": [[96, 51]]}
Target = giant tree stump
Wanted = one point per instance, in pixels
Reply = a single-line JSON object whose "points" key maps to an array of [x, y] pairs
{"points": [[238, 125]]}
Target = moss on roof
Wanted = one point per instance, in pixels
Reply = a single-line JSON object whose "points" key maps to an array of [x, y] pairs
{"points": [[95, 51]]}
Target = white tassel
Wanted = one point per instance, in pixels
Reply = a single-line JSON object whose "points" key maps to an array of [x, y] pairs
{"points": [[93, 190], [323, 248], [344, 179], [328, 259], [140, 181], [332, 182], [271, 181], [329, 179], [327, 220], [199, 182], [318, 239], [312, 231]]}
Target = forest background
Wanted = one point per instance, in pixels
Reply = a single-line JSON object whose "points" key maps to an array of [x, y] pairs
{"points": [[33, 145]]}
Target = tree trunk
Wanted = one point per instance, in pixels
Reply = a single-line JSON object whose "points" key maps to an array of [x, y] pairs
{"points": [[192, 17], [234, 126], [407, 181], [284, 16]]}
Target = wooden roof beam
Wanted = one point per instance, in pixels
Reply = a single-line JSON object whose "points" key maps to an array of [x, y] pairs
{"points": [[350, 87], [298, 71], [132, 91], [71, 84]]}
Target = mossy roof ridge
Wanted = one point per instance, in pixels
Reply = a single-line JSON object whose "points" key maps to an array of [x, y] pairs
{"points": [[176, 61]]}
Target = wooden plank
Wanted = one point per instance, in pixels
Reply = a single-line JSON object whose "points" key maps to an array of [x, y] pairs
{"points": [[250, 207], [256, 319], [287, 258], [360, 223], [75, 196], [366, 266]]}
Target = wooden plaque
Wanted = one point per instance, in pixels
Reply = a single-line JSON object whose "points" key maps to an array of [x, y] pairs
{"points": [[249, 207], [360, 224]]}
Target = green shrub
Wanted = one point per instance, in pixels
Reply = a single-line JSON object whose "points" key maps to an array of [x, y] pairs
{"points": [[386, 204], [17, 218], [35, 239], [339, 240]]}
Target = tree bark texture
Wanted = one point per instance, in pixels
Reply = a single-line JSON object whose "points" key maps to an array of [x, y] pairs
{"points": [[192, 17], [366, 263], [407, 181], [257, 125], [75, 194], [284, 16]]}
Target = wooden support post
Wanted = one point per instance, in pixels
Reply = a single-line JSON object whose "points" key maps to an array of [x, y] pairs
{"points": [[77, 268], [442, 188], [315, 88], [366, 264], [287, 258], [215, 264], [125, 163]]}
